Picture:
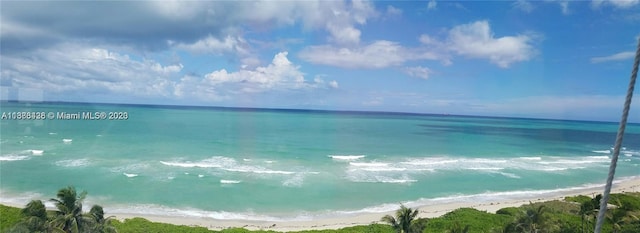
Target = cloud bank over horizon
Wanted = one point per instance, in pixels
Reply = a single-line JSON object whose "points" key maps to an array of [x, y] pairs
{"points": [[474, 58]]}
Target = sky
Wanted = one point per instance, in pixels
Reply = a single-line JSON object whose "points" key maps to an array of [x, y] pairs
{"points": [[539, 59]]}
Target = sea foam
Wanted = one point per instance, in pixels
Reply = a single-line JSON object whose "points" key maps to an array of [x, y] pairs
{"points": [[73, 163], [227, 164], [347, 157], [230, 181], [37, 152], [12, 157], [130, 175]]}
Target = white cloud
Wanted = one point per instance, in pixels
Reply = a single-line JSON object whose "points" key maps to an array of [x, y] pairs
{"points": [[73, 68], [333, 84], [338, 18], [280, 75], [94, 72], [428, 40], [149, 25], [615, 57], [392, 11], [378, 54], [236, 47], [564, 5], [344, 34], [417, 71], [476, 40], [280, 72], [615, 3], [523, 5], [214, 45], [432, 5]]}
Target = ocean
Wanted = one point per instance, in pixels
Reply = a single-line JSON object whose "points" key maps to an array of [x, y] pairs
{"points": [[260, 164]]}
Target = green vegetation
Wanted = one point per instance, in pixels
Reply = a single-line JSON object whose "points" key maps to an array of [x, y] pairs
{"points": [[478, 221], [404, 222], [68, 217], [9, 217], [573, 215]]}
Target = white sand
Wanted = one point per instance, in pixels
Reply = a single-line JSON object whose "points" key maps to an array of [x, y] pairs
{"points": [[631, 185]]}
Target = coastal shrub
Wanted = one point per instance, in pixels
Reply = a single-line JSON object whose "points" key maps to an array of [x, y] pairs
{"points": [[511, 211], [628, 201], [578, 199], [478, 221], [633, 227]]}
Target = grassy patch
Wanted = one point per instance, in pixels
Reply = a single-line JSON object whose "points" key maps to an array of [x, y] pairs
{"points": [[478, 221], [142, 225], [578, 199], [9, 216]]}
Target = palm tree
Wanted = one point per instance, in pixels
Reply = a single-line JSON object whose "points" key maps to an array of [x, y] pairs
{"points": [[100, 224], [69, 216], [404, 220], [34, 220], [533, 220], [35, 216]]}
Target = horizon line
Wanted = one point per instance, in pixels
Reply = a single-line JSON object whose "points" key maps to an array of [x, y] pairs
{"points": [[283, 109]]}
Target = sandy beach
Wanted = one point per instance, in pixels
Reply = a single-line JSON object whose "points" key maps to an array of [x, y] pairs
{"points": [[430, 211]]}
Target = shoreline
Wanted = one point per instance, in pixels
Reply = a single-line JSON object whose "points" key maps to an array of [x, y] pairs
{"points": [[437, 209], [425, 211]]}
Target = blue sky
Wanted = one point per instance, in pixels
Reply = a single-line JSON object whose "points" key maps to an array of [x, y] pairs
{"points": [[543, 59]]}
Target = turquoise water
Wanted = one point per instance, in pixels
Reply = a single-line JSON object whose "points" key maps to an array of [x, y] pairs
{"points": [[291, 164]]}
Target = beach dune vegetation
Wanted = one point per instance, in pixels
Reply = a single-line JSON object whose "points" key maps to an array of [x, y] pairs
{"points": [[557, 216], [67, 218], [404, 222]]}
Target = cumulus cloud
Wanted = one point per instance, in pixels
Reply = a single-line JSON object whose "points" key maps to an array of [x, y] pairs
{"points": [[417, 71], [378, 54], [476, 40], [72, 68], [143, 25], [148, 25], [280, 75], [615, 57], [213, 45], [339, 18], [280, 72], [341, 25], [92, 71], [615, 3]]}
